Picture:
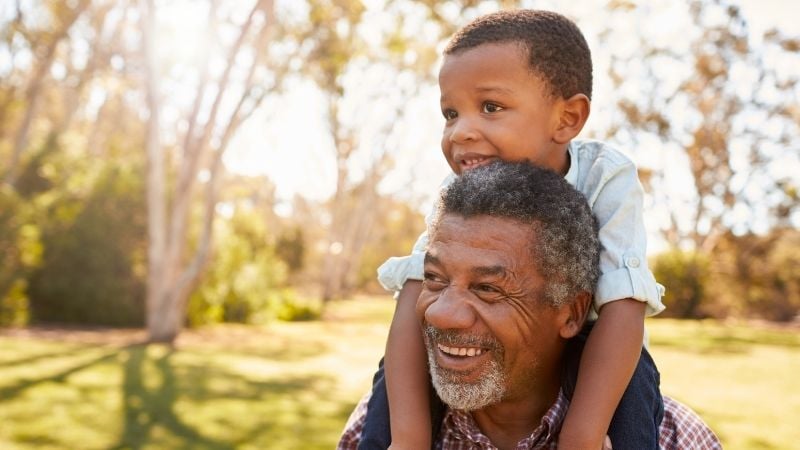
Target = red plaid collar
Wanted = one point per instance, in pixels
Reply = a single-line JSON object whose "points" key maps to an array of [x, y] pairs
{"points": [[460, 426]]}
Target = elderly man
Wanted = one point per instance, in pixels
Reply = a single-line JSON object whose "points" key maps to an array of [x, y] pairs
{"points": [[509, 274]]}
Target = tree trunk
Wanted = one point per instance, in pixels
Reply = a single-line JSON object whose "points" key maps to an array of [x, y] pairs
{"points": [[172, 273], [159, 324]]}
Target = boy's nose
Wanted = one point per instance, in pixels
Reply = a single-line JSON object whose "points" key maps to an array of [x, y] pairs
{"points": [[450, 310], [463, 130]]}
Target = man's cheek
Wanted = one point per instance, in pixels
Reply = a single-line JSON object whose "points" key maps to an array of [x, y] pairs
{"points": [[425, 300]]}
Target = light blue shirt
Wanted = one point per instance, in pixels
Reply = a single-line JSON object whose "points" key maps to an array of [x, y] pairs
{"points": [[610, 183]]}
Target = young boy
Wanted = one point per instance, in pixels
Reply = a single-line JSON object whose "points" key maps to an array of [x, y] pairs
{"points": [[516, 85]]}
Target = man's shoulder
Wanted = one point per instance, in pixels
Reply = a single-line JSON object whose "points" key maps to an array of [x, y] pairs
{"points": [[682, 428]]}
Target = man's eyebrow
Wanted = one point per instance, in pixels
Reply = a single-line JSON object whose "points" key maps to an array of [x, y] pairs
{"points": [[429, 258], [490, 271]]}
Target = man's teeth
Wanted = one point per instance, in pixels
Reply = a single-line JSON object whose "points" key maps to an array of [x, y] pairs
{"points": [[460, 351], [470, 162]]}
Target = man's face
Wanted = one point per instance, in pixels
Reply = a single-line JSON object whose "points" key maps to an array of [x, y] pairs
{"points": [[490, 336], [495, 107]]}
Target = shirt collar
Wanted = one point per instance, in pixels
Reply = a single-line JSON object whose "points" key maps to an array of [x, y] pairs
{"points": [[572, 172], [461, 426]]}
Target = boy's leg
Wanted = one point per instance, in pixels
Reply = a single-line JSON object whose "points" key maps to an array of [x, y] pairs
{"points": [[376, 434], [438, 410], [640, 411]]}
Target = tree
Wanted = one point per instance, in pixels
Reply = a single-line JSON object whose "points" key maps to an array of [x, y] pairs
{"points": [[44, 44], [727, 113], [217, 111], [344, 61]]}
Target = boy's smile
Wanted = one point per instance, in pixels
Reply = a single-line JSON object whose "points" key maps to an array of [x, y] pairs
{"points": [[496, 107]]}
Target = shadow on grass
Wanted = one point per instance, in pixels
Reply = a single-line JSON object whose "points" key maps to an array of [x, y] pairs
{"points": [[145, 408], [48, 356], [178, 399], [728, 343], [205, 406], [7, 393]]}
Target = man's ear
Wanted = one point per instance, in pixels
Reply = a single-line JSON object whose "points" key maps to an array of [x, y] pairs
{"points": [[576, 313], [573, 114]]}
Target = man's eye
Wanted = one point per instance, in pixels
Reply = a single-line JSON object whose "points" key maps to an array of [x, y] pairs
{"points": [[490, 107], [487, 288], [432, 281], [449, 114]]}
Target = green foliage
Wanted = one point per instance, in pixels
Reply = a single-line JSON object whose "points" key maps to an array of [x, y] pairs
{"points": [[14, 305], [20, 252], [746, 276], [397, 229], [93, 250], [246, 280], [760, 275], [293, 385], [291, 249], [685, 275]]}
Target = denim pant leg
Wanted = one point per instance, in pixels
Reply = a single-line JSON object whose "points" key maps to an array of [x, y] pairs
{"points": [[636, 420], [640, 411], [376, 434]]}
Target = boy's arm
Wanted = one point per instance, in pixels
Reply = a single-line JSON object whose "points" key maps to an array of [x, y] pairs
{"points": [[406, 372], [626, 292], [609, 358], [405, 362]]}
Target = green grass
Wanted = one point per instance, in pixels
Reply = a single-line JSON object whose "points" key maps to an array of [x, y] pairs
{"points": [[292, 385]]}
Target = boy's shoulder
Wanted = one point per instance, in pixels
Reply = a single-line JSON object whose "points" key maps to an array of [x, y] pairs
{"points": [[593, 152]]}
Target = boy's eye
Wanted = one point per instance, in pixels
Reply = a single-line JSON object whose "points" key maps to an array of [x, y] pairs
{"points": [[449, 114], [490, 107]]}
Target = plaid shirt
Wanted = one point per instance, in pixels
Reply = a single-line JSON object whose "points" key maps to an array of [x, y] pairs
{"points": [[681, 429]]}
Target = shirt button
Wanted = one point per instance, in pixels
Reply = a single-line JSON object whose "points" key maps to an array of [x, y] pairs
{"points": [[633, 262]]}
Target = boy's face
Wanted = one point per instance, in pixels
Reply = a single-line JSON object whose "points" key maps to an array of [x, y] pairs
{"points": [[496, 107]]}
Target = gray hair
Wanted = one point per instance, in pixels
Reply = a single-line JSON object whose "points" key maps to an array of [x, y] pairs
{"points": [[565, 246]]}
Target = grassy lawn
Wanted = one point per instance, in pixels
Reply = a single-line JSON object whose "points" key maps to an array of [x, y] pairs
{"points": [[292, 385]]}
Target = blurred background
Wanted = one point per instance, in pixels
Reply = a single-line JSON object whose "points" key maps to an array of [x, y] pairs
{"points": [[195, 196]]}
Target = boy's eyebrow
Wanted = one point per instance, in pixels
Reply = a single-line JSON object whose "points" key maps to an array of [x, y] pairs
{"points": [[485, 90], [500, 89]]}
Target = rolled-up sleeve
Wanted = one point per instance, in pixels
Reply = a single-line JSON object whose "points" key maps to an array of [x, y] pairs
{"points": [[394, 273], [617, 202]]}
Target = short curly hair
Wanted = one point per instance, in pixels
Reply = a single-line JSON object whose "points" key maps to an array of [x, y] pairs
{"points": [[557, 50], [565, 245]]}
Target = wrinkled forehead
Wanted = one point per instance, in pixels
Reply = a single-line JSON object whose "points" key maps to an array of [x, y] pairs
{"points": [[483, 234]]}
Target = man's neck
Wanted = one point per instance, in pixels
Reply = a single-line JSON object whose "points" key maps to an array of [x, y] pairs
{"points": [[510, 421]]}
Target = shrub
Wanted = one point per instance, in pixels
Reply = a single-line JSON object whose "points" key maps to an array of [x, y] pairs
{"points": [[685, 275]]}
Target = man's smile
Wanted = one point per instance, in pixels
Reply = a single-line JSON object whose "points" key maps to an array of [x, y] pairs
{"points": [[460, 351], [461, 355]]}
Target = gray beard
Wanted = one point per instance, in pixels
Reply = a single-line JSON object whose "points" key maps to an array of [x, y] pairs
{"points": [[488, 390]]}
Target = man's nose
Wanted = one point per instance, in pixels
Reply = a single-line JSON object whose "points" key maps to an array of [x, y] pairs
{"points": [[463, 130], [451, 310]]}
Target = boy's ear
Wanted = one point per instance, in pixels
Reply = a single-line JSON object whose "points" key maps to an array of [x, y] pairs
{"points": [[575, 315], [574, 112]]}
